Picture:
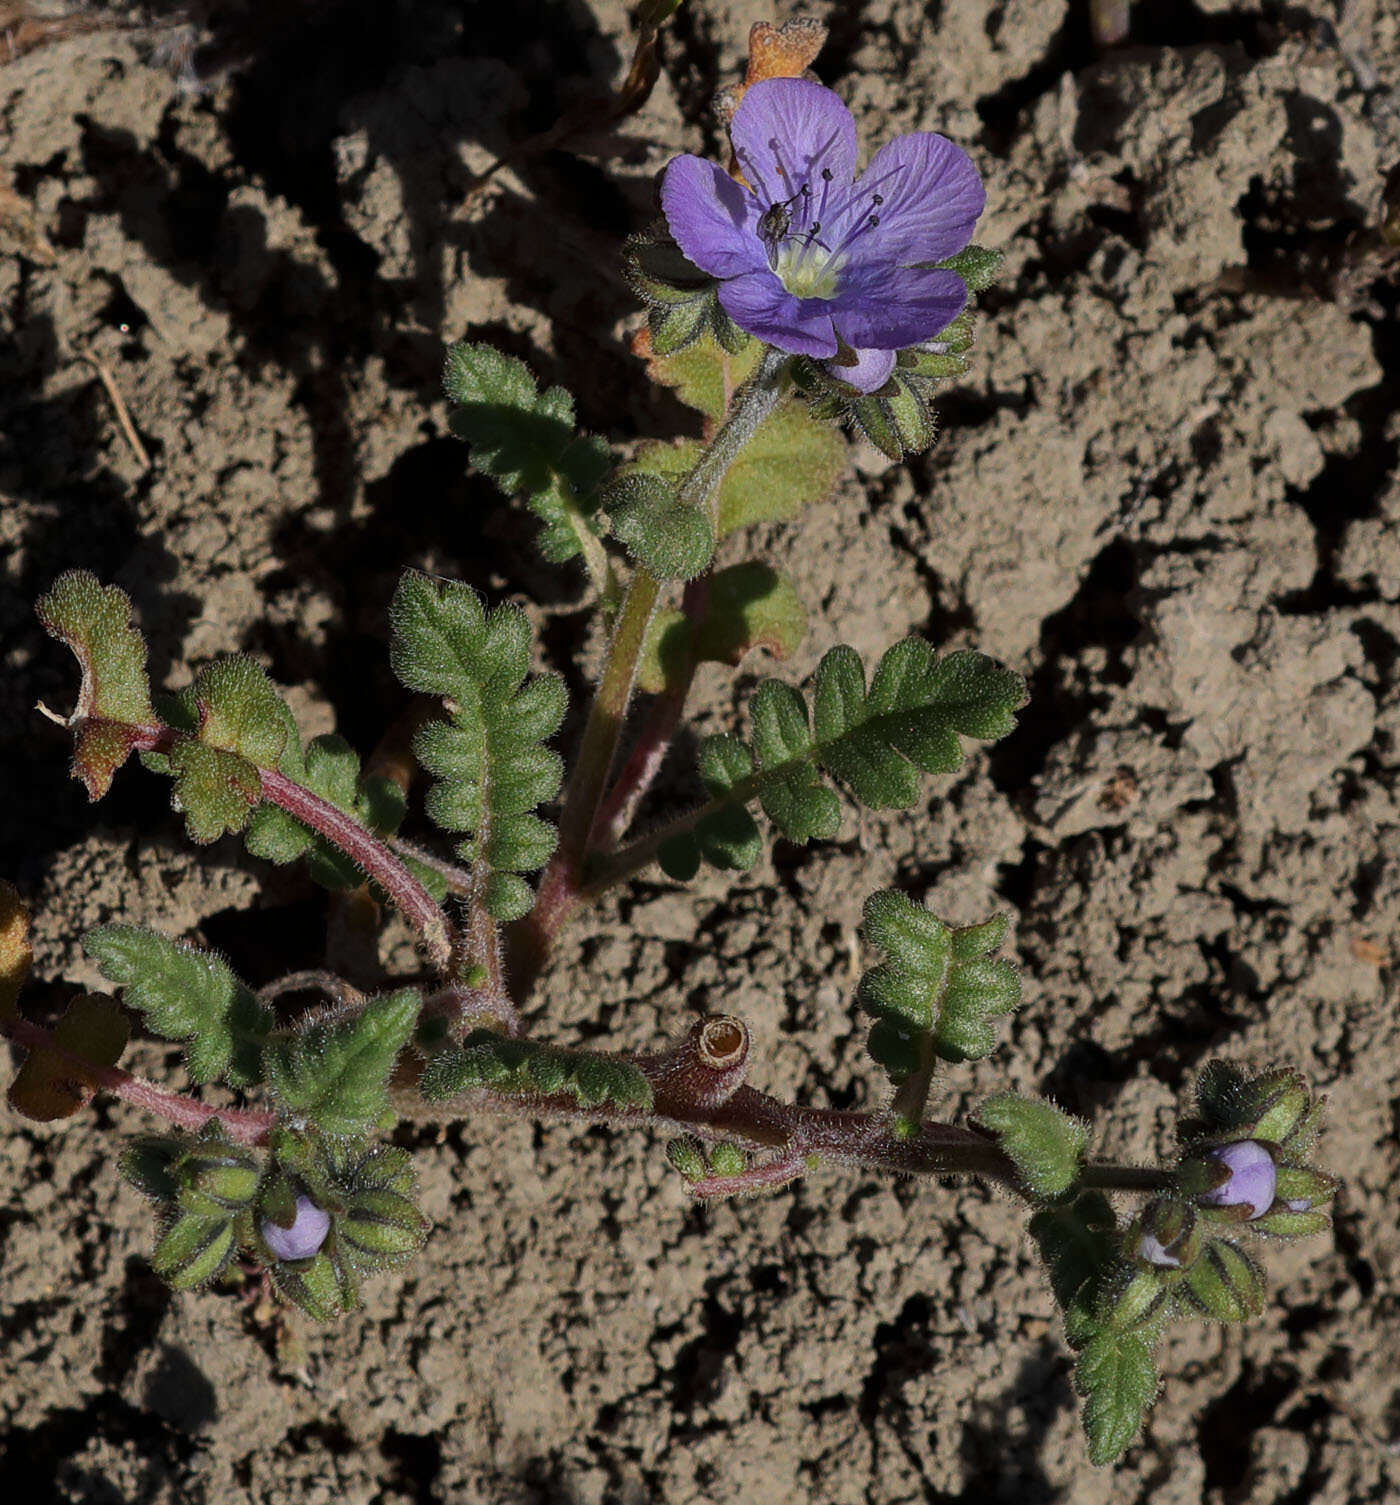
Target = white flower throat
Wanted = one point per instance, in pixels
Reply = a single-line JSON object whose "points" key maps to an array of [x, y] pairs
{"points": [[791, 230]]}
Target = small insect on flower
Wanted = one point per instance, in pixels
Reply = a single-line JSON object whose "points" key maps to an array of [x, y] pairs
{"points": [[812, 258]]}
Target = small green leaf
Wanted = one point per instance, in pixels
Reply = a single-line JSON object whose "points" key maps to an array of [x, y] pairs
{"points": [[186, 994], [94, 621], [335, 1073], [1117, 1377], [489, 760], [215, 790], [1077, 1246], [240, 711], [526, 441], [527, 1066], [792, 462], [729, 838], [663, 534], [1046, 1144]]}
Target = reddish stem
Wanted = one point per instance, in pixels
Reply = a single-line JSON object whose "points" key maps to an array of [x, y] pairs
{"points": [[242, 1124], [619, 809], [369, 854]]}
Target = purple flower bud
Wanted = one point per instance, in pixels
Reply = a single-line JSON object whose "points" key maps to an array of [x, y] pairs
{"points": [[306, 1235], [1154, 1252], [1252, 1179]]}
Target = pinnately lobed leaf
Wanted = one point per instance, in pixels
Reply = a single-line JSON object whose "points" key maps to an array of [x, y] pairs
{"points": [[489, 759], [936, 983], [334, 1072], [875, 740], [94, 620], [527, 442], [186, 994], [486, 1059], [1117, 1377]]}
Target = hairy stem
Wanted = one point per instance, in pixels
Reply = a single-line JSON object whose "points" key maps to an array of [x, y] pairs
{"points": [[242, 1124], [373, 857], [582, 823], [619, 808]]}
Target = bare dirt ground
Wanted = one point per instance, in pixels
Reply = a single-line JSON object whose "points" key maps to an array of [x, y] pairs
{"points": [[1168, 491]]}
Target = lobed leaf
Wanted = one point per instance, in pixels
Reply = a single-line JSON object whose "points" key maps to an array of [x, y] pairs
{"points": [[662, 533], [527, 442], [876, 741], [486, 1059], [489, 760], [335, 1072], [936, 984], [1046, 1144], [1117, 1377], [186, 994], [94, 620]]}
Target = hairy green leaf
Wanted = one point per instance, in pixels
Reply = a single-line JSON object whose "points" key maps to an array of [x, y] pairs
{"points": [[876, 741], [186, 994], [1046, 1144], [240, 711], [935, 982], [335, 1071], [487, 1059], [215, 790], [662, 533], [1117, 1377], [489, 759], [527, 442], [94, 620]]}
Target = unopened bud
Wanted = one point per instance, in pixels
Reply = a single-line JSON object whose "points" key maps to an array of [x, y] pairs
{"points": [[309, 1227], [1224, 1283], [1166, 1235], [1248, 1181]]}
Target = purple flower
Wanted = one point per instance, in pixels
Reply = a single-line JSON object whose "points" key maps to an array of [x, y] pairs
{"points": [[1252, 1180], [811, 258], [306, 1235]]}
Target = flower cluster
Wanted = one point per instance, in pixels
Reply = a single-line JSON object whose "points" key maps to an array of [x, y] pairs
{"points": [[812, 258]]}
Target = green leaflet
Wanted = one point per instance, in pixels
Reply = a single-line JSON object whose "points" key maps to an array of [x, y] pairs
{"points": [[527, 442], [1117, 1377], [489, 759], [335, 1071], [486, 1059], [1046, 1144], [935, 983], [186, 994], [876, 741]]}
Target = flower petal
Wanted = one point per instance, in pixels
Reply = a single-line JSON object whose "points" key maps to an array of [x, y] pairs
{"points": [[711, 217], [870, 372], [889, 308], [785, 131], [932, 197], [760, 304]]}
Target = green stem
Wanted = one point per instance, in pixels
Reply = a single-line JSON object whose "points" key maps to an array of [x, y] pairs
{"points": [[609, 710], [562, 883]]}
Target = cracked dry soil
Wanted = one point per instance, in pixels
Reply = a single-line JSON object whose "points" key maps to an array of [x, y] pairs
{"points": [[1168, 491]]}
